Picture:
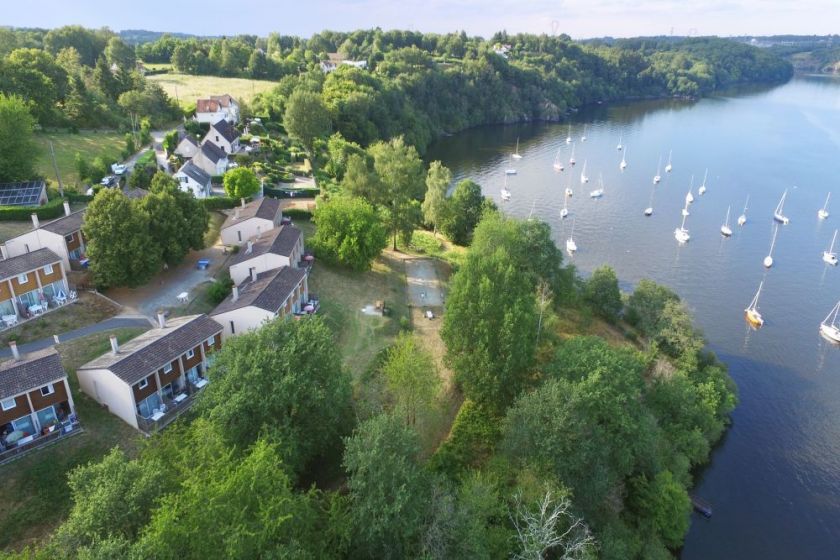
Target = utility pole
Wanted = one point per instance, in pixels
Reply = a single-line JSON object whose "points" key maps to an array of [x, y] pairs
{"points": [[57, 175]]}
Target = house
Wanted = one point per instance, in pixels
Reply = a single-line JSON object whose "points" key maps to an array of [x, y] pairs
{"points": [[263, 297], [36, 405], [502, 49], [192, 178], [26, 193], [187, 147], [276, 248], [211, 159], [334, 60], [250, 220], [223, 135], [151, 379], [30, 283], [215, 108], [63, 236]]}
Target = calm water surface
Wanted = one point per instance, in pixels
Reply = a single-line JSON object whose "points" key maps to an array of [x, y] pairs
{"points": [[774, 480]]}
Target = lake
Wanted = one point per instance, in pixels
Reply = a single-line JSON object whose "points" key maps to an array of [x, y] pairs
{"points": [[774, 480]]}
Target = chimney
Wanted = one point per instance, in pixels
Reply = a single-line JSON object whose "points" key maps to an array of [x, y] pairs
{"points": [[236, 213], [250, 247], [235, 295], [254, 274], [66, 208], [115, 346], [35, 221], [15, 353], [4, 252], [258, 232], [161, 319], [243, 201]]}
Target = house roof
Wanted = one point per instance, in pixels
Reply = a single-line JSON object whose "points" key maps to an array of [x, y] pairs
{"points": [[66, 225], [227, 130], [25, 193], [207, 106], [31, 371], [224, 100], [270, 290], [155, 348], [195, 173], [212, 152], [26, 262], [336, 58], [188, 138], [265, 208], [279, 241]]}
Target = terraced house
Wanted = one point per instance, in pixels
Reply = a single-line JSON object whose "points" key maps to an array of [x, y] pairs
{"points": [[30, 284], [63, 236], [36, 405], [250, 220], [279, 247], [151, 379]]}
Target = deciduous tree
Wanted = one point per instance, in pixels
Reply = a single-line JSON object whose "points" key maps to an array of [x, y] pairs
{"points": [[241, 183], [466, 206], [349, 232], [602, 293], [411, 375], [435, 204], [19, 150]]}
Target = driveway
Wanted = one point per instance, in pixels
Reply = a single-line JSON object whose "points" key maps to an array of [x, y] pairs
{"points": [[424, 289]]}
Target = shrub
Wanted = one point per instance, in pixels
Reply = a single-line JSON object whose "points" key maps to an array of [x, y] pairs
{"points": [[219, 290], [52, 209], [219, 202]]}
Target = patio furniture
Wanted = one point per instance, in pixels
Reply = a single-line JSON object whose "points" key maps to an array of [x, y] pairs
{"points": [[72, 295], [183, 297], [60, 300], [36, 309], [201, 383], [180, 398], [202, 264], [10, 320], [157, 415], [84, 262], [24, 441]]}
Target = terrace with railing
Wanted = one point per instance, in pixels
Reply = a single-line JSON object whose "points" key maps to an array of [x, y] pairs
{"points": [[60, 431]]}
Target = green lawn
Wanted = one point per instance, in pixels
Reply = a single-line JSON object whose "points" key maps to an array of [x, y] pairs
{"points": [[187, 88], [36, 497], [89, 143], [87, 310]]}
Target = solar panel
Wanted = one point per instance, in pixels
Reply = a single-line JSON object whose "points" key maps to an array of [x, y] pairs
{"points": [[21, 194]]}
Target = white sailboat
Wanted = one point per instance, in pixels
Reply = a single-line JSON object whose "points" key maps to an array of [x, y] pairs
{"points": [[778, 214], [742, 219], [572, 158], [751, 313], [725, 230], [619, 147], [689, 198], [584, 178], [681, 234], [658, 177], [515, 154], [830, 256], [565, 210], [583, 136], [599, 192], [669, 167], [822, 213], [623, 164], [768, 260], [558, 165], [569, 135], [829, 327], [505, 192], [571, 246], [649, 209], [702, 189]]}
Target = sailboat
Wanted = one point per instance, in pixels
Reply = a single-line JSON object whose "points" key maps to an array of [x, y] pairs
{"points": [[829, 327], [768, 260], [669, 167], [702, 189], [505, 192], [725, 229], [583, 136], [689, 198], [830, 256], [572, 159], [751, 313], [599, 192], [583, 177], [510, 170], [649, 209], [778, 214], [571, 246], [565, 210], [623, 164], [822, 213], [515, 154], [658, 177], [558, 165], [569, 135], [619, 147], [681, 234], [742, 219]]}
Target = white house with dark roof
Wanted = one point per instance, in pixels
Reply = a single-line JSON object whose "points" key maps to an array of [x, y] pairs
{"points": [[62, 236], [211, 159], [217, 107], [24, 193], [151, 379], [276, 248], [192, 178], [223, 135], [262, 297], [36, 405], [334, 60], [251, 220], [187, 147]]}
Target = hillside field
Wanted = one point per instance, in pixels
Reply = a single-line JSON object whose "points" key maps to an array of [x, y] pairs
{"points": [[187, 88]]}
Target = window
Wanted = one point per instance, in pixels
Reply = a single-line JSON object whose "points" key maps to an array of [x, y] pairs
{"points": [[190, 354], [68, 238], [48, 269], [8, 404], [23, 278], [211, 341], [143, 383], [239, 235], [167, 368], [25, 425], [232, 329], [47, 416], [47, 390]]}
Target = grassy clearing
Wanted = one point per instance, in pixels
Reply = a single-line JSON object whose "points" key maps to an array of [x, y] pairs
{"points": [[13, 229], [424, 243], [87, 310], [36, 497], [214, 229], [89, 143], [186, 88]]}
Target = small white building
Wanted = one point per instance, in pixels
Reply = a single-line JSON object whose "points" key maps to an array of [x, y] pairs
{"points": [[215, 108], [262, 297], [192, 178], [334, 60], [277, 248], [211, 159], [223, 135], [250, 220]]}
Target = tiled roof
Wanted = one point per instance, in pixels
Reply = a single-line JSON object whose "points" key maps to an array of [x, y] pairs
{"points": [[27, 262], [25, 193], [195, 173], [213, 152], [224, 100], [226, 129], [33, 370], [279, 241], [207, 106], [269, 292], [265, 208], [66, 224], [157, 347]]}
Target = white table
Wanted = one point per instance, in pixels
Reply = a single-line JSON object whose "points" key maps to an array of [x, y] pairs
{"points": [[201, 383], [36, 309], [61, 300], [10, 320], [184, 297], [157, 416], [180, 398]]}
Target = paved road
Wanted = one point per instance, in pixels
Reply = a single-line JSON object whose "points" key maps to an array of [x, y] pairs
{"points": [[106, 325]]}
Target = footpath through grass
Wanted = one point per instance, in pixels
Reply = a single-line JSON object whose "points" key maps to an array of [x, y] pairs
{"points": [[187, 88], [89, 143]]}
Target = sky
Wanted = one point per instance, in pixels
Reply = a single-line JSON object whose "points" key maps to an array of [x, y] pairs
{"points": [[577, 18]]}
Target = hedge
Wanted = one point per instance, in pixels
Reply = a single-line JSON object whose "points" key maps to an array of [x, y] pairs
{"points": [[299, 213], [219, 202], [73, 196], [290, 193], [52, 209]]}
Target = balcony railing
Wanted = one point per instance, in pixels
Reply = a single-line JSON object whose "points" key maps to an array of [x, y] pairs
{"points": [[170, 411], [66, 429]]}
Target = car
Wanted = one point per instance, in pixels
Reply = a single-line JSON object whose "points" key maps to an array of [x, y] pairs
{"points": [[118, 168], [110, 181]]}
